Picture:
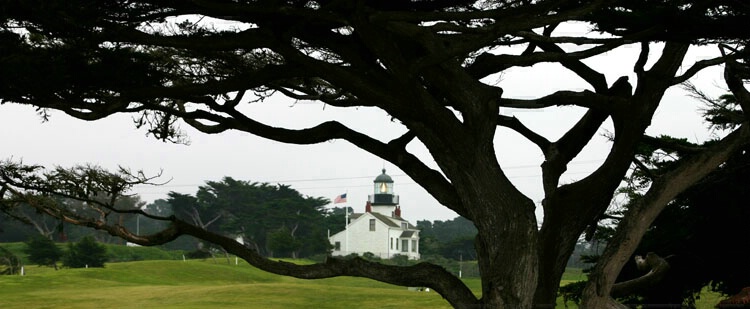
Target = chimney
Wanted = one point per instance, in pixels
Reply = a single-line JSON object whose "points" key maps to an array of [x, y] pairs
{"points": [[398, 211], [368, 207]]}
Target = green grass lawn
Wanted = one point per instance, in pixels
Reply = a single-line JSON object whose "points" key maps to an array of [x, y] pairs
{"points": [[209, 284], [197, 284]]}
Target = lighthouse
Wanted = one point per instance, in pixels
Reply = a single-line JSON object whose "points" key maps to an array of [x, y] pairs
{"points": [[383, 200]]}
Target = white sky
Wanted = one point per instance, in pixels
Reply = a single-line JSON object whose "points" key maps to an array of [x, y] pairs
{"points": [[335, 167]]}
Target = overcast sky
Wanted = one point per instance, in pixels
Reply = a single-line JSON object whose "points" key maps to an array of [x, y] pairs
{"points": [[335, 167]]}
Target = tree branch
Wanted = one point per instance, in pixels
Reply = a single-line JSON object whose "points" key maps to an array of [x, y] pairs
{"points": [[734, 81], [516, 125], [594, 78], [658, 268], [646, 171], [487, 64], [698, 66], [639, 66], [670, 145], [584, 98]]}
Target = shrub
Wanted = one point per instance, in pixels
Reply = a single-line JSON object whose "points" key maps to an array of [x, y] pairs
{"points": [[43, 251], [9, 262], [85, 253]]}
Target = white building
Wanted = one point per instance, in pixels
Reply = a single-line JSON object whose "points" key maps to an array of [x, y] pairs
{"points": [[380, 230]]}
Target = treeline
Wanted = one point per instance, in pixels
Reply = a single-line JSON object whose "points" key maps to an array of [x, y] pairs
{"points": [[451, 239], [274, 220]]}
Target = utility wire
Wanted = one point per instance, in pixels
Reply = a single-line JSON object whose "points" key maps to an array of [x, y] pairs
{"points": [[288, 181]]}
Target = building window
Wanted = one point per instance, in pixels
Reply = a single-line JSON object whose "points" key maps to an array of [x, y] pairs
{"points": [[413, 245], [404, 225], [404, 245], [396, 244], [337, 246], [372, 224], [391, 242]]}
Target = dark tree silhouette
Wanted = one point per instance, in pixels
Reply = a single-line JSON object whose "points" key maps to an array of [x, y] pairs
{"points": [[85, 253], [700, 232], [426, 64], [43, 251]]}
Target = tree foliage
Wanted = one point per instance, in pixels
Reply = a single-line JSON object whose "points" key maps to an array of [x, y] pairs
{"points": [[452, 239], [259, 213], [85, 253], [429, 66], [43, 251], [10, 264], [699, 231], [12, 230]]}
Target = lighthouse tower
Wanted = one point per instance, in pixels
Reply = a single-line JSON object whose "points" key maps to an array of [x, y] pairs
{"points": [[383, 200]]}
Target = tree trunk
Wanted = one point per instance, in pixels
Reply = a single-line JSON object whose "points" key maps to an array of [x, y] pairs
{"points": [[506, 243], [509, 277], [555, 247]]}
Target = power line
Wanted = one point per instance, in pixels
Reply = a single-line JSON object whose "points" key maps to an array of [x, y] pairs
{"points": [[161, 192], [394, 175]]}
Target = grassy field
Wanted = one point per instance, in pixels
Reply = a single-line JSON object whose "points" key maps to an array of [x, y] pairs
{"points": [[197, 284], [211, 284]]}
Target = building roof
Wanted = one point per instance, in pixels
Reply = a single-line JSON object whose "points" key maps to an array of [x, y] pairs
{"points": [[384, 219], [390, 221], [406, 234]]}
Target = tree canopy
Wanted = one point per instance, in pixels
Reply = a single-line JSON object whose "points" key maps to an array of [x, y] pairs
{"points": [[429, 66], [265, 216], [85, 253], [700, 231], [452, 239], [43, 251]]}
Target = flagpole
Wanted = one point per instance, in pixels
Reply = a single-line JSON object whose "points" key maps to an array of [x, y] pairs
{"points": [[346, 224], [342, 199], [346, 229]]}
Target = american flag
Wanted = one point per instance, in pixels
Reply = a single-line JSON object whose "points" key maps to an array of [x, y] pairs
{"points": [[340, 199]]}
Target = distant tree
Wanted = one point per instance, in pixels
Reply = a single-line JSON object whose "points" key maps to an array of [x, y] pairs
{"points": [[459, 249], [145, 225], [43, 212], [190, 209], [453, 239], [257, 210], [12, 230], [583, 250], [282, 244], [335, 218], [10, 264], [428, 245], [431, 68], [45, 226], [85, 253], [187, 207], [449, 230], [43, 251]]}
